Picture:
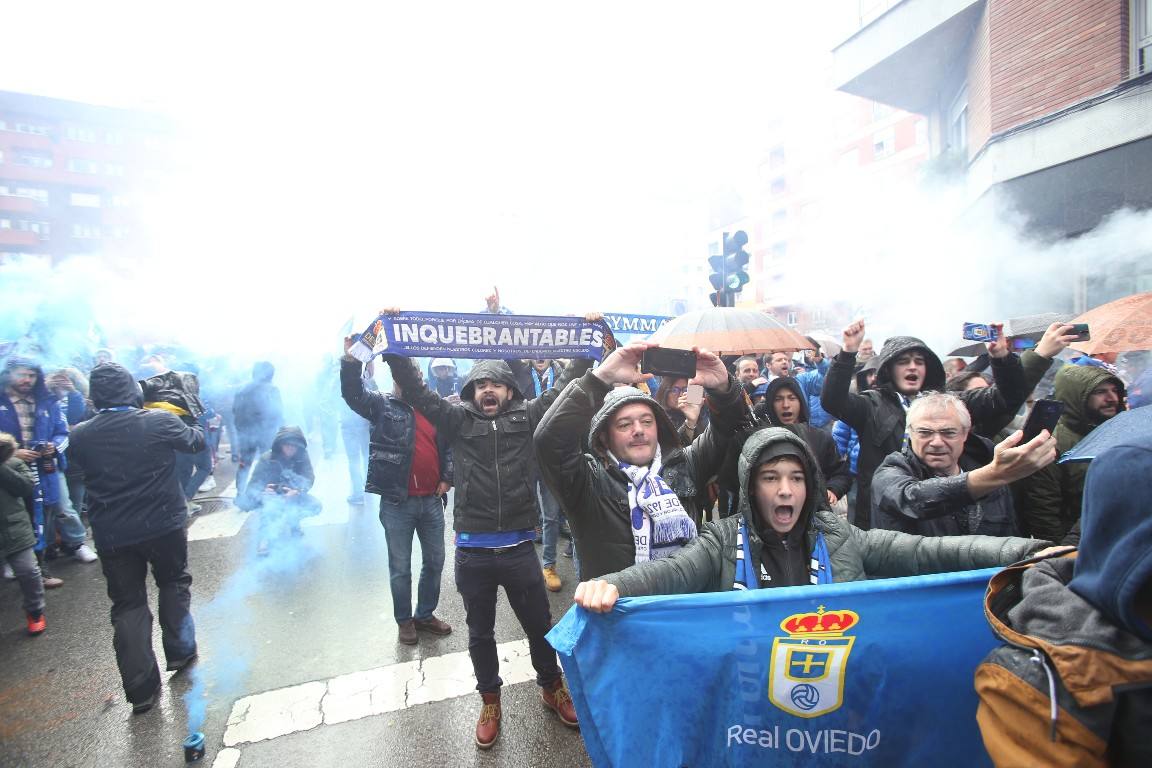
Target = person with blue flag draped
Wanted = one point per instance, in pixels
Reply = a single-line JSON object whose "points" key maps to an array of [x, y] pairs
{"points": [[785, 536]]}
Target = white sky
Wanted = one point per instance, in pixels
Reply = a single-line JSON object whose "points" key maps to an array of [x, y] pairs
{"points": [[353, 153]]}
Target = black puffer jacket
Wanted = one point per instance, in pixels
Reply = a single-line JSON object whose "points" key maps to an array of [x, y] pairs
{"points": [[909, 496], [274, 468], [878, 415], [834, 467], [492, 455], [129, 460], [594, 492]]}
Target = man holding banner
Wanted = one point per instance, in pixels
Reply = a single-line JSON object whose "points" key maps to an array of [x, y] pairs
{"points": [[635, 495], [494, 512]]}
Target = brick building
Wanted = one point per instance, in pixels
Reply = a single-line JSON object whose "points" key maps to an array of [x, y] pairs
{"points": [[73, 178], [1048, 102]]}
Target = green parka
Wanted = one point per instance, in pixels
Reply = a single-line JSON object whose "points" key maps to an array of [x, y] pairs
{"points": [[16, 482]]}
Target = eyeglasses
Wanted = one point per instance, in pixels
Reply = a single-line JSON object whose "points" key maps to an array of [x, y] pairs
{"points": [[948, 433], [677, 390]]}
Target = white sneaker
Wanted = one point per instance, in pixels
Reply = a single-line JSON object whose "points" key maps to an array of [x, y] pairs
{"points": [[8, 572], [84, 554]]}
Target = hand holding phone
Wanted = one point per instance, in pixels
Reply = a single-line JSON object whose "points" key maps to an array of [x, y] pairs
{"points": [[666, 361], [694, 394]]}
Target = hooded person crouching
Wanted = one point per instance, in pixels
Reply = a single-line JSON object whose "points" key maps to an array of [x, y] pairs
{"points": [[783, 538], [279, 487]]}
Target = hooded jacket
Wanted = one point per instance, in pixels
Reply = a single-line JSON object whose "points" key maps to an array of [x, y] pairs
{"points": [[50, 425], [708, 562], [129, 462], [1070, 624], [909, 496], [834, 468], [1053, 495], [276, 469], [594, 492], [878, 415], [492, 455], [16, 482], [257, 408]]}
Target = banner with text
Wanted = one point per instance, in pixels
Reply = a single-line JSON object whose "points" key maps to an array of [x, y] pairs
{"points": [[868, 673], [634, 325], [444, 334]]}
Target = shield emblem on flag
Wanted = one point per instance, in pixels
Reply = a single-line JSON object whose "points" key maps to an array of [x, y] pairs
{"points": [[807, 672]]}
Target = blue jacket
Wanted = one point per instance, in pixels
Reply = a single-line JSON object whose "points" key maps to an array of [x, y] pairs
{"points": [[811, 382], [847, 442], [50, 425], [393, 433]]}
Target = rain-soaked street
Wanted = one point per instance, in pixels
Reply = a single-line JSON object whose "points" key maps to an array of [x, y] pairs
{"points": [[298, 659]]}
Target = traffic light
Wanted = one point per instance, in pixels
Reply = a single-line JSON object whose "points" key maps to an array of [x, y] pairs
{"points": [[729, 269]]}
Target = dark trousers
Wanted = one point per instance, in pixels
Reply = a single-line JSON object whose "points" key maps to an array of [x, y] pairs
{"points": [[479, 575], [125, 569]]}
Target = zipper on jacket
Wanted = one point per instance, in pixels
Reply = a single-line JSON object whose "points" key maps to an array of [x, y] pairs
{"points": [[499, 491]]}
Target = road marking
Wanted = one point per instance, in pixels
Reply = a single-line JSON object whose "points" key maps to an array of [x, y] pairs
{"points": [[226, 758], [224, 523], [355, 696]]}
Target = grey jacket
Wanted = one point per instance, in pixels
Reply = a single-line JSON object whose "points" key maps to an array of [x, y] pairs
{"points": [[708, 562]]}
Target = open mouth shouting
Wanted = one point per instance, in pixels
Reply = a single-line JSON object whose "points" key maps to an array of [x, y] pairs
{"points": [[783, 515]]}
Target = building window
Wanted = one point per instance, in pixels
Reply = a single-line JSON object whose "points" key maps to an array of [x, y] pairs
{"points": [[958, 123], [791, 320], [120, 201], [779, 249], [780, 217], [777, 157], [5, 223], [85, 232], [83, 165], [38, 227], [883, 143], [1141, 36], [32, 158], [85, 200], [921, 132], [34, 129], [779, 185], [113, 169], [79, 133]]}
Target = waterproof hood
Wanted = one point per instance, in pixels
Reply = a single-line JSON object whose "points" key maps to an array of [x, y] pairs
{"points": [[770, 443], [1073, 386], [934, 376], [493, 370], [263, 371], [111, 385], [774, 387], [289, 435], [622, 396], [1115, 558]]}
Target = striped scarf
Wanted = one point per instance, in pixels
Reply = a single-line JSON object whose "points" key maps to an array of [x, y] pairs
{"points": [[660, 525], [819, 566]]}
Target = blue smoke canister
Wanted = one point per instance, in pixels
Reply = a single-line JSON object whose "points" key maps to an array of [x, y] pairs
{"points": [[194, 747]]}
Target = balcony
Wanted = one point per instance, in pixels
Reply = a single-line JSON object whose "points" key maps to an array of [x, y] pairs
{"points": [[903, 56]]}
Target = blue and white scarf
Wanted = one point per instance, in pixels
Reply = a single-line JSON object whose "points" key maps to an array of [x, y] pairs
{"points": [[819, 565], [660, 525], [545, 382]]}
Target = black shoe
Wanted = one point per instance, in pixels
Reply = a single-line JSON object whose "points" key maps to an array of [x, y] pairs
{"points": [[52, 552], [140, 708], [565, 531], [179, 665]]}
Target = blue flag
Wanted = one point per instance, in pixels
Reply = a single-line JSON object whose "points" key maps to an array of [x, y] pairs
{"points": [[435, 334], [865, 673]]}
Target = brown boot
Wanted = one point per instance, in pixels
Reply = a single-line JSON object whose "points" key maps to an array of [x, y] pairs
{"points": [[488, 727], [557, 698]]}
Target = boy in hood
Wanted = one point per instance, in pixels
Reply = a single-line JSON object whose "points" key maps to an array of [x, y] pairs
{"points": [[494, 514], [1091, 395], [782, 538], [1072, 684], [139, 514], [279, 487], [611, 453], [786, 405]]}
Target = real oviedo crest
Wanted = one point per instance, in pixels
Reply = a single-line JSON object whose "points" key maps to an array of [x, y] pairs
{"points": [[806, 676]]}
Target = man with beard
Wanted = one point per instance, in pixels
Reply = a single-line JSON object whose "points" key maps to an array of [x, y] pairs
{"points": [[949, 481], [494, 516], [1091, 396], [779, 364], [906, 368]]}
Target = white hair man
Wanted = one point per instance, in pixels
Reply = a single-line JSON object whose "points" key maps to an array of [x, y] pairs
{"points": [[949, 481]]}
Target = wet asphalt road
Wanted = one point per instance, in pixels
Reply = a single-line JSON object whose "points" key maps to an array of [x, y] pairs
{"points": [[321, 610]]}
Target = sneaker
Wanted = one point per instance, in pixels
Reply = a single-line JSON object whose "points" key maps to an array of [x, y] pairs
{"points": [[568, 550], [51, 552], [179, 665], [262, 548], [552, 579], [488, 726], [433, 625], [8, 572], [565, 531], [36, 625], [84, 554], [51, 582], [194, 509], [408, 633], [557, 699], [356, 501]]}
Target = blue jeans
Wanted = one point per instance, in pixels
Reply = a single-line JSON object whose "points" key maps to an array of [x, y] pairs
{"points": [[72, 531], [201, 468], [424, 516], [550, 516]]}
